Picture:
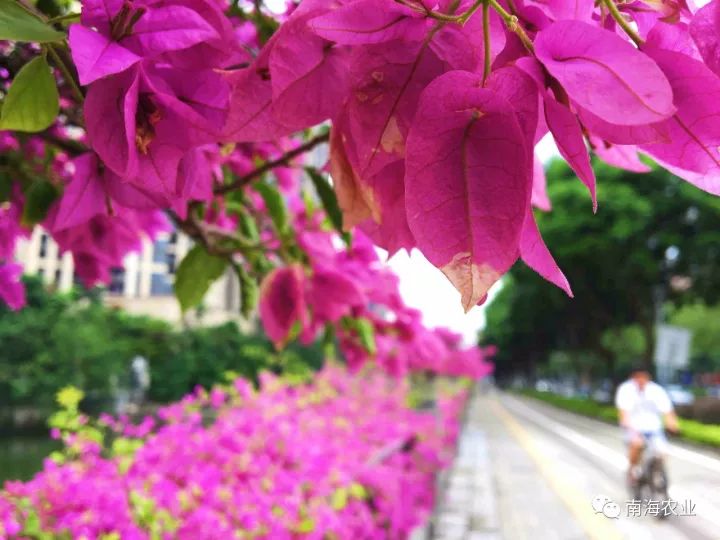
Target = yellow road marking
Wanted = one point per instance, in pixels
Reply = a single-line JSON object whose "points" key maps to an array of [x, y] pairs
{"points": [[597, 526]]}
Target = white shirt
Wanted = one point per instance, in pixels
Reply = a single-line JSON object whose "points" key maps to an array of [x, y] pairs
{"points": [[644, 408]]}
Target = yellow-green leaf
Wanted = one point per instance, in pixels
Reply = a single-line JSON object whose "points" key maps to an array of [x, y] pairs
{"points": [[16, 24], [32, 102], [197, 271]]}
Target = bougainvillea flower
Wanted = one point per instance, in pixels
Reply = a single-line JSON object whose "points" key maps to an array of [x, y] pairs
{"points": [[282, 303], [536, 255], [130, 31], [12, 291], [102, 242], [605, 74], [370, 21], [388, 228], [568, 136], [621, 156], [331, 294], [163, 116], [468, 182], [539, 197], [694, 129]]}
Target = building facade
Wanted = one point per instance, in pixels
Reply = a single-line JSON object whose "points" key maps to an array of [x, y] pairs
{"points": [[143, 286]]}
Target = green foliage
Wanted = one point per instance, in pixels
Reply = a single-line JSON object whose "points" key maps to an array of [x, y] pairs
{"points": [[704, 322], [615, 262], [40, 194], [249, 291], [197, 271], [17, 24], [32, 102], [275, 205], [363, 330], [63, 340], [326, 193], [366, 333]]}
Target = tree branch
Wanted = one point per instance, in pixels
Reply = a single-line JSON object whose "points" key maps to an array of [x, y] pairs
{"points": [[269, 165]]}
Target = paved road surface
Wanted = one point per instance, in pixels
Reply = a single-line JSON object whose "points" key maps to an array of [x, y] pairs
{"points": [[531, 471]]}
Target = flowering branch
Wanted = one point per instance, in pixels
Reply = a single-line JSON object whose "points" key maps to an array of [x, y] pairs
{"points": [[269, 165]]}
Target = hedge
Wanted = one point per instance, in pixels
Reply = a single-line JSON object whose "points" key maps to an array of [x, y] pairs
{"points": [[690, 430]]}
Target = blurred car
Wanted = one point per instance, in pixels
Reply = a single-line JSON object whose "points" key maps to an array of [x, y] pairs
{"points": [[601, 395], [679, 395]]}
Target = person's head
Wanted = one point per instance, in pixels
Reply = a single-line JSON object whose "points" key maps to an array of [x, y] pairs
{"points": [[640, 374]]}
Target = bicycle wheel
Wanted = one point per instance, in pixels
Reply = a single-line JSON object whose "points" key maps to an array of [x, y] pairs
{"points": [[658, 482]]}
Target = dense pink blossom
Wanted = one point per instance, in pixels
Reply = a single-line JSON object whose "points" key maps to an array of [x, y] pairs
{"points": [[343, 457]]}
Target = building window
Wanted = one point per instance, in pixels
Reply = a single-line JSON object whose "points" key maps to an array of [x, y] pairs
{"points": [[58, 277], [117, 281], [160, 251], [43, 245], [160, 284]]}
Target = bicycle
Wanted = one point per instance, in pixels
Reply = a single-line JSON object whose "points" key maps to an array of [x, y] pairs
{"points": [[652, 483]]}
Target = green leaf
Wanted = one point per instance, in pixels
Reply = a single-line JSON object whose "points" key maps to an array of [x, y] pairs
{"points": [[358, 491], [249, 291], [32, 101], [307, 525], [248, 227], [366, 333], [327, 196], [17, 24], [275, 205], [5, 187], [339, 498], [38, 198], [197, 271]]}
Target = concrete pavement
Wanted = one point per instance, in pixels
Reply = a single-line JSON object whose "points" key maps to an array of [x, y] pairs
{"points": [[526, 470]]}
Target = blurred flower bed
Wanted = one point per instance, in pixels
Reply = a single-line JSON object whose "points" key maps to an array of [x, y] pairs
{"points": [[343, 456]]}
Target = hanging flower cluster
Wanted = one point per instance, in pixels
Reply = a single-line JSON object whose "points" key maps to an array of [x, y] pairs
{"points": [[434, 109]]}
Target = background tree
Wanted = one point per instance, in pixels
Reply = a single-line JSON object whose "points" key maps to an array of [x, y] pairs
{"points": [[654, 240]]}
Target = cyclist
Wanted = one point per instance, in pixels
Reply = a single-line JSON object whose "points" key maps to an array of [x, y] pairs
{"points": [[642, 407]]}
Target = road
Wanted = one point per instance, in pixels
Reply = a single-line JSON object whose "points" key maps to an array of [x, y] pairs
{"points": [[547, 466]]}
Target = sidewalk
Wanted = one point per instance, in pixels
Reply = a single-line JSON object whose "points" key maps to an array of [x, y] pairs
{"points": [[493, 490], [467, 507]]}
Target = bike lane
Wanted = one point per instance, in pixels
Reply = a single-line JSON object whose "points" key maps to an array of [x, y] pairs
{"points": [[583, 460]]}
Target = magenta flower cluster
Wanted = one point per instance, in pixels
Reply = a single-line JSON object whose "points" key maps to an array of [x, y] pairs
{"points": [[436, 108], [343, 458], [435, 111]]}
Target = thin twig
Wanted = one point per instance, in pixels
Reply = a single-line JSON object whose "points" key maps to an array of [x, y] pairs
{"points": [[74, 148], [629, 30], [69, 79], [269, 165], [486, 41], [62, 18], [513, 24]]}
